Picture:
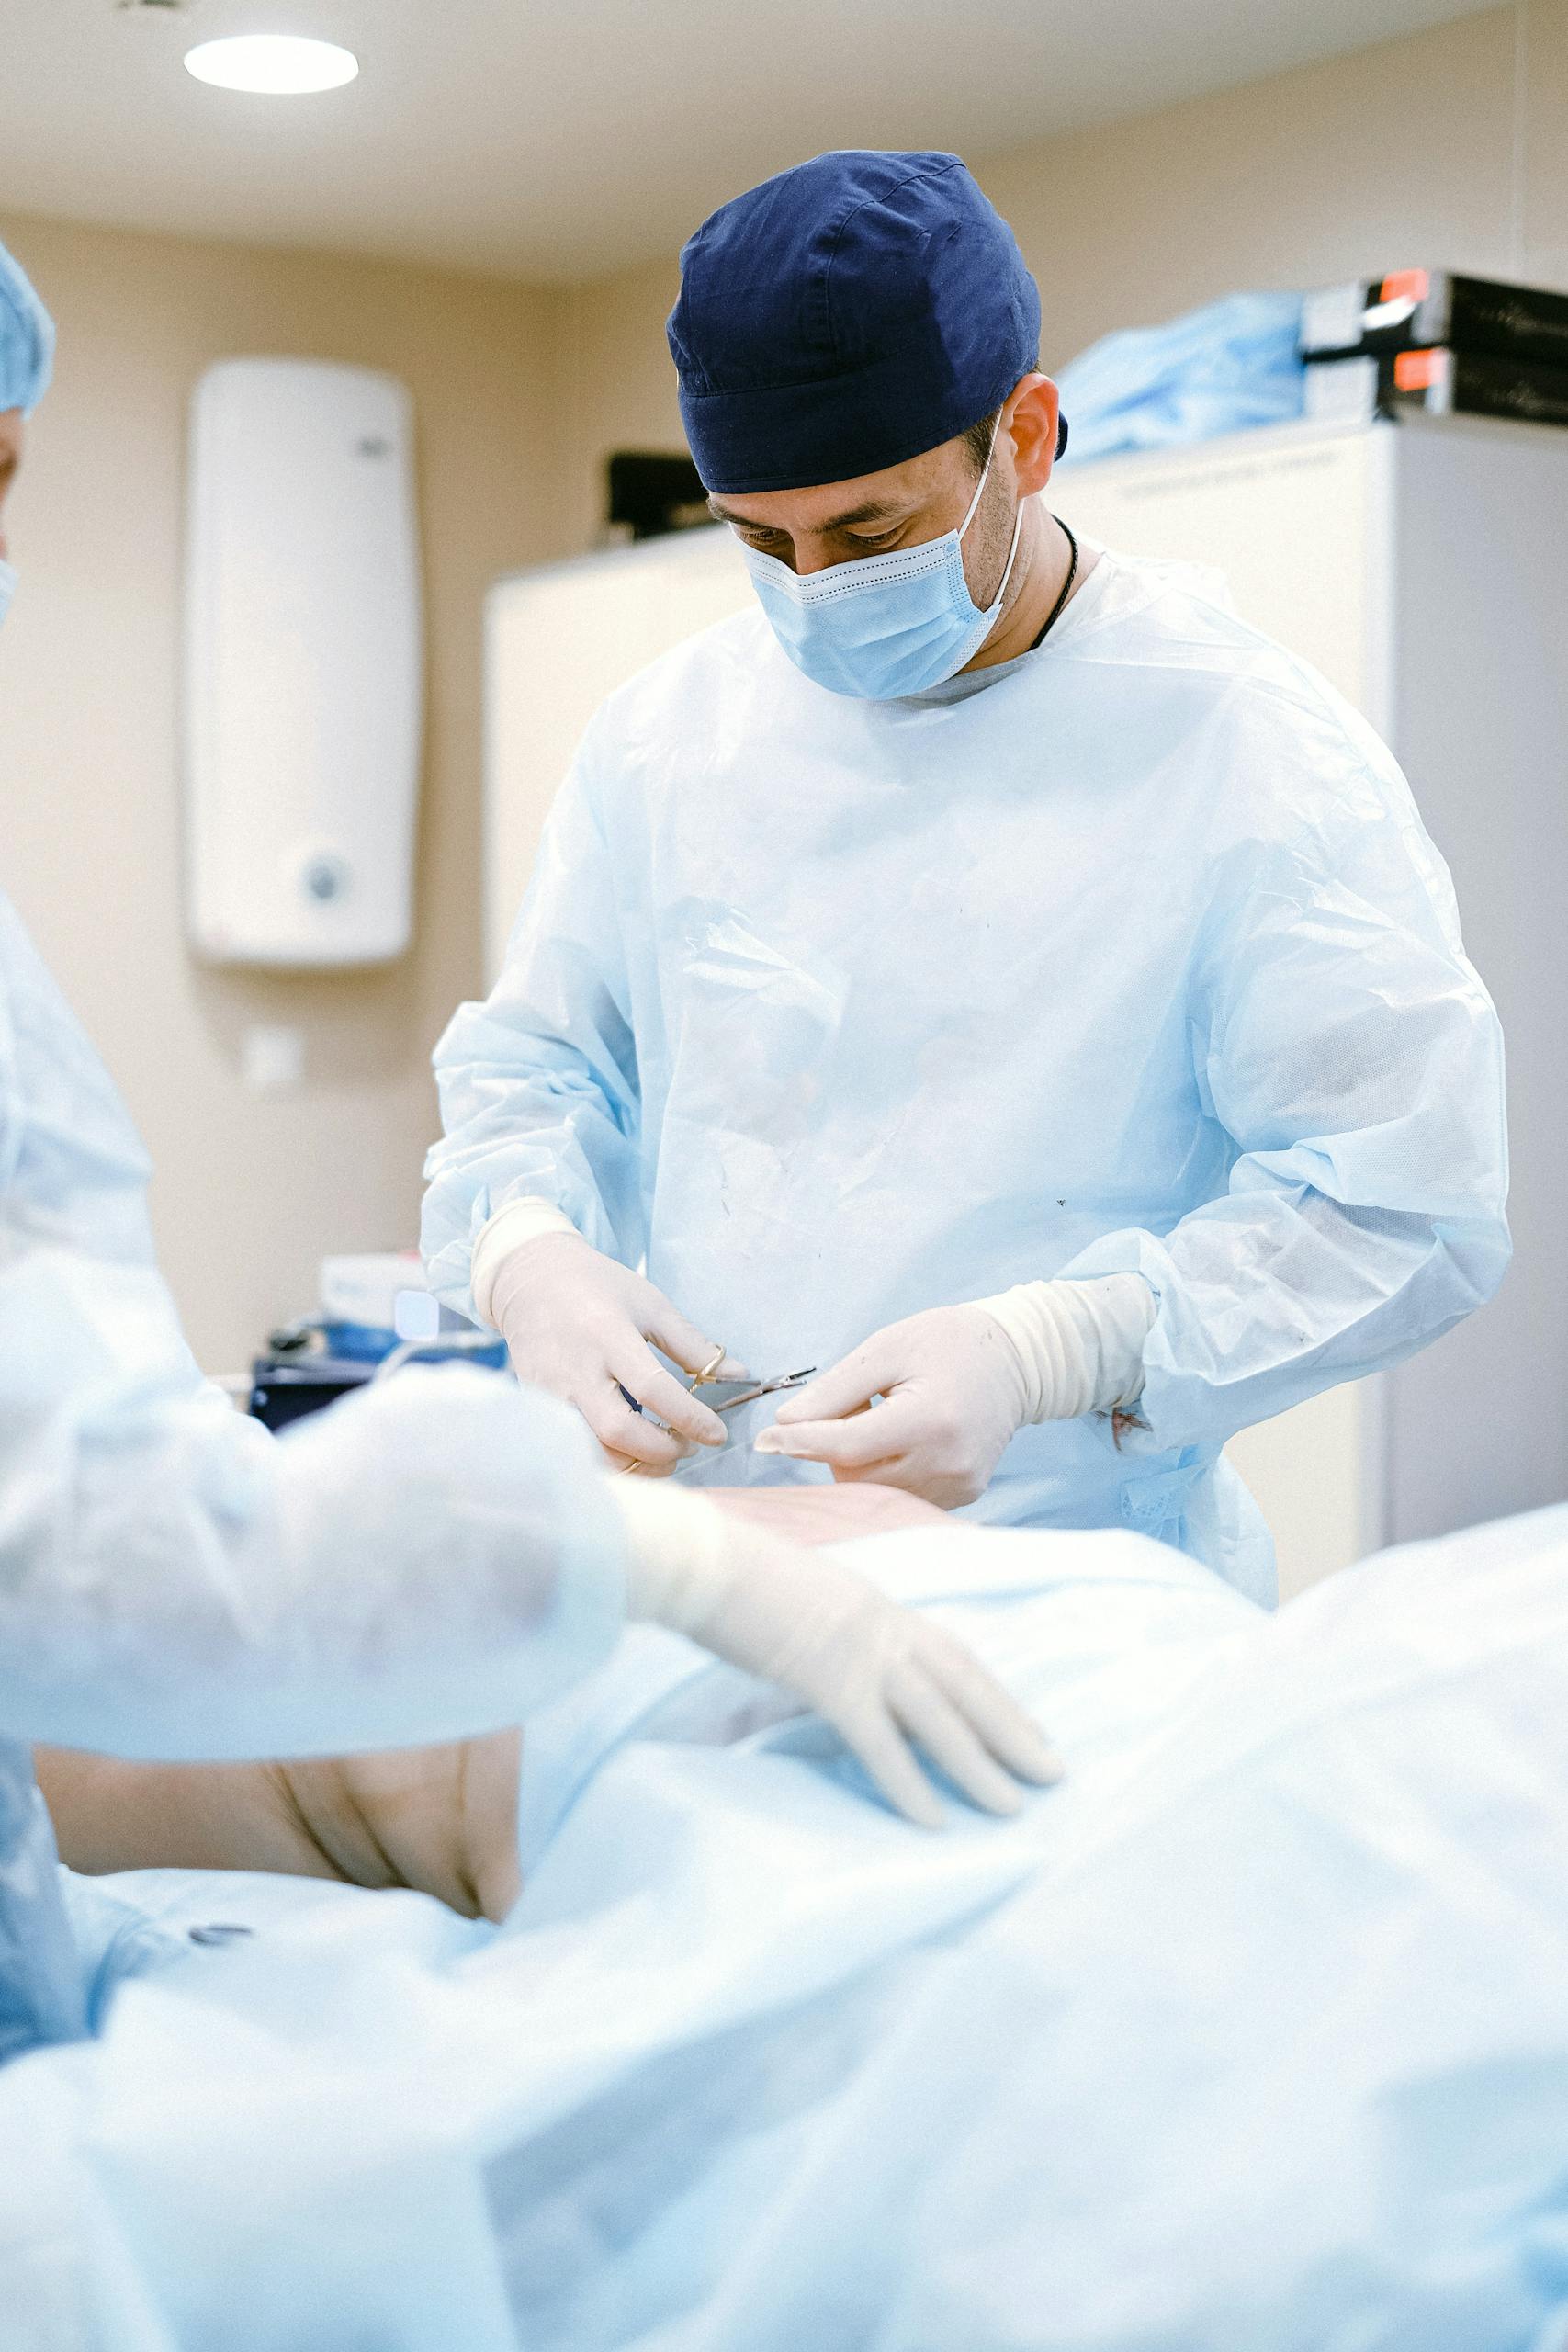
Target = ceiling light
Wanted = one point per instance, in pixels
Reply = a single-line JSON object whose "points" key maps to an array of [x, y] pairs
{"points": [[283, 65]]}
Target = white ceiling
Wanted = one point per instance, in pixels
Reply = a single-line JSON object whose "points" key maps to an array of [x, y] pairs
{"points": [[555, 138]]}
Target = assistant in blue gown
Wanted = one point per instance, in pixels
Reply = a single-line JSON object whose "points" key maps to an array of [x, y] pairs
{"points": [[426, 1562]]}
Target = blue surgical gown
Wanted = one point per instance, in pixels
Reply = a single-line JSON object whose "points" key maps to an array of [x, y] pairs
{"points": [[429, 1562], [1131, 954]]}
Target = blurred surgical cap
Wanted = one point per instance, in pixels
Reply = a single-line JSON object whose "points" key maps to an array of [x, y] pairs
{"points": [[27, 339]]}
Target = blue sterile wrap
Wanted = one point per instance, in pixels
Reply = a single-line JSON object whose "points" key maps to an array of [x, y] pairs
{"points": [[1224, 368]]}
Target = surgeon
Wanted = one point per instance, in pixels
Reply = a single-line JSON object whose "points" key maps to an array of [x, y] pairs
{"points": [[987, 972], [426, 1565]]}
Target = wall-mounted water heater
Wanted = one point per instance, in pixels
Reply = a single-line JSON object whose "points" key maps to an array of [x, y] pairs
{"points": [[303, 668]]}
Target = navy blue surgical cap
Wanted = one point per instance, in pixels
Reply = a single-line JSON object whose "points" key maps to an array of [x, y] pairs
{"points": [[845, 316], [27, 339]]}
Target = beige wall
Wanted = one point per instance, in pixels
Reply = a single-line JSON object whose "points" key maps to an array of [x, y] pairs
{"points": [[250, 1191], [1412, 152], [1449, 148]]}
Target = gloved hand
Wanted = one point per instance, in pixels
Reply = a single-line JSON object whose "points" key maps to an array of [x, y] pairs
{"points": [[958, 1383], [884, 1677], [441, 1820], [579, 1324]]}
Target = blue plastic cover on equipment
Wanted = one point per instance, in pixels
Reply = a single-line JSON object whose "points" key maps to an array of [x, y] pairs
{"points": [[1222, 369]]}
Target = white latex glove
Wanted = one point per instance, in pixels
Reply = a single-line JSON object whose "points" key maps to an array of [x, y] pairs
{"points": [[579, 1324], [958, 1383], [885, 1678]]}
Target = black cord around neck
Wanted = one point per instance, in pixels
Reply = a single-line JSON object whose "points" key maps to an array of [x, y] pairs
{"points": [[1055, 613]]}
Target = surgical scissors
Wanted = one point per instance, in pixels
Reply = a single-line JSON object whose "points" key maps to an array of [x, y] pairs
{"points": [[775, 1387]]}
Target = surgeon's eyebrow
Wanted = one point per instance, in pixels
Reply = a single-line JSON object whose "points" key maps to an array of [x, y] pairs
{"points": [[874, 510]]}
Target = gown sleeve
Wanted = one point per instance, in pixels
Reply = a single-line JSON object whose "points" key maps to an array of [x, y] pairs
{"points": [[538, 1085], [1353, 1057], [427, 1561]]}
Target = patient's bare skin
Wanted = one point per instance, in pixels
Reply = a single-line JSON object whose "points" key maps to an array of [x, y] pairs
{"points": [[441, 1820], [826, 1514]]}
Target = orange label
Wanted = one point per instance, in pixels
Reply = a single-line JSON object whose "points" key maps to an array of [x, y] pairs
{"points": [[1414, 372], [1405, 285]]}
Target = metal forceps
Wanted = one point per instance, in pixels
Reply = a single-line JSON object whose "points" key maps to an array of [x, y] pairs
{"points": [[775, 1387]]}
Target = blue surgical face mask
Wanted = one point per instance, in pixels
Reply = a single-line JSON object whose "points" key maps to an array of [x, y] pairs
{"points": [[882, 624], [8, 584]]}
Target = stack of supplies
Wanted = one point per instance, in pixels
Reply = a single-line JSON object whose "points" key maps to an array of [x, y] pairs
{"points": [[1429, 339]]}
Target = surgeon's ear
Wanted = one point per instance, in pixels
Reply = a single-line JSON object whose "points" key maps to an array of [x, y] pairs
{"points": [[1030, 421]]}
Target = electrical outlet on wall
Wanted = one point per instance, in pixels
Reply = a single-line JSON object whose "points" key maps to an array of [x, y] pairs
{"points": [[272, 1058]]}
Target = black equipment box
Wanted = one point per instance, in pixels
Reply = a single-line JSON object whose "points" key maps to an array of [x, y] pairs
{"points": [[1419, 308], [1444, 382], [284, 1388]]}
